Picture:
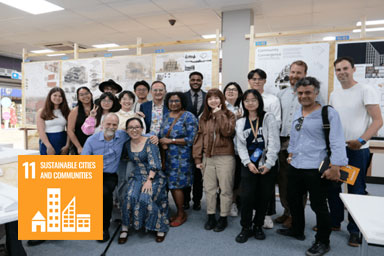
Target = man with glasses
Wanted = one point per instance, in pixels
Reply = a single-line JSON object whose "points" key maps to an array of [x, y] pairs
{"points": [[195, 104], [141, 89], [307, 148], [155, 109], [108, 143]]}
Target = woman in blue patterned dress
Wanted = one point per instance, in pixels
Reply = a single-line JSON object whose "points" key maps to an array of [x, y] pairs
{"points": [[146, 201], [178, 146]]}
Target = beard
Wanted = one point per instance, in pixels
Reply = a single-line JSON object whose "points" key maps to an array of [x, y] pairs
{"points": [[109, 133]]}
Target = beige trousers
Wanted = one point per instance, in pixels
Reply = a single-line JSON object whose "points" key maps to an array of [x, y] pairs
{"points": [[218, 172]]}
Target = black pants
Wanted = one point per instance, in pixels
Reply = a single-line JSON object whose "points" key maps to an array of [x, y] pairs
{"points": [[255, 194], [271, 210], [109, 184], [301, 181], [197, 188], [13, 244]]}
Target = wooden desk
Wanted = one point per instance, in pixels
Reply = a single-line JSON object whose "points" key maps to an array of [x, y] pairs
{"points": [[367, 212]]}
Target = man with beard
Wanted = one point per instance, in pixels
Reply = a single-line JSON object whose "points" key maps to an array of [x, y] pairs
{"points": [[195, 104], [289, 105], [108, 143]]}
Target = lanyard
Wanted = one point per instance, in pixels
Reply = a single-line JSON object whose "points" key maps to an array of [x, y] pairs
{"points": [[253, 129]]}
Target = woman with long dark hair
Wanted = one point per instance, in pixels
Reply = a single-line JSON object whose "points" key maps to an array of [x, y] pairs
{"points": [[77, 117], [106, 104], [258, 143], [51, 123], [214, 154]]}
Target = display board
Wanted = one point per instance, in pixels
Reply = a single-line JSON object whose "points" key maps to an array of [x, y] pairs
{"points": [[81, 72], [276, 60], [38, 79], [174, 68], [369, 63], [126, 70], [171, 68]]}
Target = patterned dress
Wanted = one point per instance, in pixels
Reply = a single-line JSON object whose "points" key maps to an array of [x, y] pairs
{"points": [[142, 209], [179, 161]]}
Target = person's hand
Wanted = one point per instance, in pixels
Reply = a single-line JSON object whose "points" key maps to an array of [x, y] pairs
{"points": [[263, 170], [289, 160], [94, 111], [354, 144], [141, 114], [147, 187], [333, 173], [165, 141], [252, 168], [218, 108], [154, 140], [239, 114], [199, 166], [64, 150], [51, 150], [79, 149]]}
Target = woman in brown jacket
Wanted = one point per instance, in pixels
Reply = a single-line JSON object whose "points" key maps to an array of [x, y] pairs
{"points": [[214, 154]]}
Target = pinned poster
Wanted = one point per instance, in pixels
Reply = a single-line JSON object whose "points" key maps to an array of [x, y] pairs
{"points": [[60, 197]]}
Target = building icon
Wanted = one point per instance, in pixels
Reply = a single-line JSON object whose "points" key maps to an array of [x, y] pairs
{"points": [[69, 221], [53, 209]]}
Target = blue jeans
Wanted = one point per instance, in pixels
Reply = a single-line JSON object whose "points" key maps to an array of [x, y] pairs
{"points": [[359, 159]]}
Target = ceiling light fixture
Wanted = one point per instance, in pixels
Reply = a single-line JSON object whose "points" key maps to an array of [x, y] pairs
{"points": [[329, 38], [33, 6], [210, 36], [119, 49], [105, 45], [368, 30], [371, 22], [42, 51]]}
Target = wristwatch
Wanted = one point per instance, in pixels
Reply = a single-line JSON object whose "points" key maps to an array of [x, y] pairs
{"points": [[151, 178], [362, 142], [173, 140]]}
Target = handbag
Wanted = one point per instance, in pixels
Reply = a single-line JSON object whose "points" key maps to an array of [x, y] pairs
{"points": [[163, 148]]}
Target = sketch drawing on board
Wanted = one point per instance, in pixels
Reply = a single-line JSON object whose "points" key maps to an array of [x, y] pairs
{"points": [[137, 71], [77, 75]]}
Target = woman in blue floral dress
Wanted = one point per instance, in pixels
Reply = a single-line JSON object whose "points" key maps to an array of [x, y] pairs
{"points": [[178, 146], [146, 202]]}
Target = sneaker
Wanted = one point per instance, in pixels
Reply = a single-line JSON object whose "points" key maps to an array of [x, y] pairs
{"points": [[318, 248], [211, 222], [354, 240], [268, 222], [244, 235], [289, 232], [221, 224], [233, 212], [259, 233]]}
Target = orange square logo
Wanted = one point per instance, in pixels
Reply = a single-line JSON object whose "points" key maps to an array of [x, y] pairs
{"points": [[60, 197]]}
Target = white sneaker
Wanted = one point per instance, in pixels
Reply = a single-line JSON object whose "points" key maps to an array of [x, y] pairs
{"points": [[233, 211], [268, 222]]}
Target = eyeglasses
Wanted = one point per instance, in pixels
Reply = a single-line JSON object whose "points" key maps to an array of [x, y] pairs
{"points": [[84, 94], [132, 128], [250, 101], [231, 90], [107, 101], [142, 90], [174, 101], [299, 123], [158, 90], [257, 79]]}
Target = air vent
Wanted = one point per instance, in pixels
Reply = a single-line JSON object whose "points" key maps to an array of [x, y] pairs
{"points": [[62, 46]]}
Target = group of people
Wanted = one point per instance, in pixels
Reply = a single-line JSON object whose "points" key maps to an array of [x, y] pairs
{"points": [[234, 145]]}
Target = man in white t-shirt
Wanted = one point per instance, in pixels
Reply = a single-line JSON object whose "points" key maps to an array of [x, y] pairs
{"points": [[256, 80], [359, 110]]}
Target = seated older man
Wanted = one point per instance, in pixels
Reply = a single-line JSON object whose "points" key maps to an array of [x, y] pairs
{"points": [[108, 143]]}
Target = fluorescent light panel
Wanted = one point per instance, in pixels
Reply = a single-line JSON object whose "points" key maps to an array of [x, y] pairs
{"points": [[42, 51], [33, 6], [117, 50], [210, 36], [368, 30], [371, 22], [105, 45]]}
